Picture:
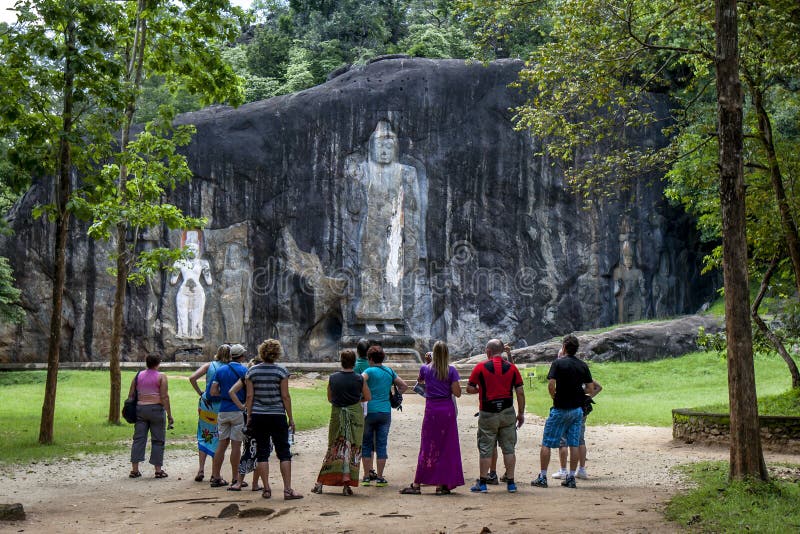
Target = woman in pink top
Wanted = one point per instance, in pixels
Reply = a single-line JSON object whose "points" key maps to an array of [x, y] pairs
{"points": [[152, 405]]}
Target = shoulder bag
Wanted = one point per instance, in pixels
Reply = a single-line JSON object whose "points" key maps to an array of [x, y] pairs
{"points": [[129, 407], [395, 397]]}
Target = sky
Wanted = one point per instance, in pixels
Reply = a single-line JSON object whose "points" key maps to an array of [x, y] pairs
{"points": [[9, 16], [6, 16]]}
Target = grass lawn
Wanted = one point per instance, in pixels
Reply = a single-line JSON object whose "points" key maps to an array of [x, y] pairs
{"points": [[645, 393], [82, 410], [717, 505]]}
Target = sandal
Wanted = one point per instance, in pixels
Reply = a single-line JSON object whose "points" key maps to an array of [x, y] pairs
{"points": [[411, 490], [257, 488], [291, 495], [347, 490], [266, 493], [234, 488], [134, 474], [218, 482], [317, 489], [243, 485], [161, 474], [442, 490], [200, 476]]}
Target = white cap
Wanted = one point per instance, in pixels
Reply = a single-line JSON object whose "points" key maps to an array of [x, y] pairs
{"points": [[237, 350]]}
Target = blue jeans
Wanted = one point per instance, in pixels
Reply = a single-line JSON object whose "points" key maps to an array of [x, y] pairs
{"points": [[563, 422], [376, 434]]}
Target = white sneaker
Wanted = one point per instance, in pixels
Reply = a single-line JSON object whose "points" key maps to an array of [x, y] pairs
{"points": [[562, 473], [582, 473]]}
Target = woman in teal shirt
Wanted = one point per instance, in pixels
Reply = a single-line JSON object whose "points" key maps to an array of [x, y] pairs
{"points": [[379, 379]]}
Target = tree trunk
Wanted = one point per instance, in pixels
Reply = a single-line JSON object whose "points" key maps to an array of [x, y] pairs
{"points": [[746, 458], [62, 194], [776, 177], [775, 340], [134, 77], [117, 325]]}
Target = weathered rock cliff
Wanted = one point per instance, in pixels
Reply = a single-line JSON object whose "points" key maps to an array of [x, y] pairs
{"points": [[396, 198]]}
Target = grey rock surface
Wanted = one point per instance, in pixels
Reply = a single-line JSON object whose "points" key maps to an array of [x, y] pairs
{"points": [[231, 510], [488, 241], [628, 343]]}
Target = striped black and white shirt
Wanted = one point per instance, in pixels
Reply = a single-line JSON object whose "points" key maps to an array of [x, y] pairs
{"points": [[266, 379]]}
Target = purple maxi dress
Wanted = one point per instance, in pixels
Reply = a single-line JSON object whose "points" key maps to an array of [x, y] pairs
{"points": [[439, 462]]}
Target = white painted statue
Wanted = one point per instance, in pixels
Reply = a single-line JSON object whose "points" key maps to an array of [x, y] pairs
{"points": [[190, 301]]}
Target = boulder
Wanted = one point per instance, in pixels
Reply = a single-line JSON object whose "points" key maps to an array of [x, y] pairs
{"points": [[628, 343]]}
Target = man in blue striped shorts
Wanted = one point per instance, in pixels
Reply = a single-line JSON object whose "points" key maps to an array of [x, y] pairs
{"points": [[568, 380]]}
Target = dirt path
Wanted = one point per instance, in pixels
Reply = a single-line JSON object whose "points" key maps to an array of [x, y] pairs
{"points": [[629, 469]]}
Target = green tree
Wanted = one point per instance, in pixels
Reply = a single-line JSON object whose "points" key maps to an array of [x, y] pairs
{"points": [[181, 42], [54, 68], [592, 84], [268, 53]]}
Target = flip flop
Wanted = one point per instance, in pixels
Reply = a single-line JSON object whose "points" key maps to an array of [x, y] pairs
{"points": [[200, 476], [257, 488], [411, 490], [267, 493], [134, 474], [218, 482], [291, 495], [234, 489]]}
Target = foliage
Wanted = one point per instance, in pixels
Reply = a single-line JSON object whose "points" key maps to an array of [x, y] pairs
{"points": [[296, 44], [431, 41], [153, 168], [10, 310], [156, 95], [645, 393], [83, 401], [503, 29], [715, 504], [716, 342], [268, 53]]}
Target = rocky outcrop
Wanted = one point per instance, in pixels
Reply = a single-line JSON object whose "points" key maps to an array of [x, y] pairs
{"points": [[634, 343], [397, 200]]}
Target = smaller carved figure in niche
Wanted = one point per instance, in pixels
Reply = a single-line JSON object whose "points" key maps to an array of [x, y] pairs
{"points": [[190, 302], [629, 287], [590, 294], [234, 301], [664, 298]]}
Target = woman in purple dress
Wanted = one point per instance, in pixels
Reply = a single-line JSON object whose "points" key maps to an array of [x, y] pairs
{"points": [[439, 462]]}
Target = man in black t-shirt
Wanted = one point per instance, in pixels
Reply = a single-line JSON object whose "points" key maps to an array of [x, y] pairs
{"points": [[568, 380]]}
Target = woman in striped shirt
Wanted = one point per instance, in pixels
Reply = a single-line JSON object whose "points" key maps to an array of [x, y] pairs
{"points": [[269, 414]]}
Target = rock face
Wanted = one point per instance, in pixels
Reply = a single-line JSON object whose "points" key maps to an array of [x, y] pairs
{"points": [[395, 200]]}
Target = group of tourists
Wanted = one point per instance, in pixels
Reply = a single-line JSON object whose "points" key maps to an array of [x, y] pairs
{"points": [[249, 408]]}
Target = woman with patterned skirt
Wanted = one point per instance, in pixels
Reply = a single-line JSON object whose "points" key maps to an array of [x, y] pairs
{"points": [[346, 391]]}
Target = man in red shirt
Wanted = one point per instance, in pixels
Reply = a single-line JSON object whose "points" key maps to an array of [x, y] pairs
{"points": [[497, 380]]}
